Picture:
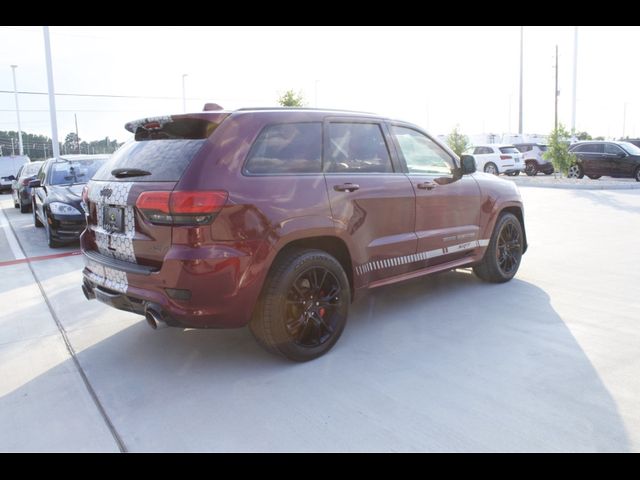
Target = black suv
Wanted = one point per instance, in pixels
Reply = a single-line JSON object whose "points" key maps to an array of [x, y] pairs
{"points": [[615, 159]]}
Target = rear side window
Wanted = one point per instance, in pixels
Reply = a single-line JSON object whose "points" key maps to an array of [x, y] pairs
{"points": [[287, 148], [165, 160], [357, 148], [509, 150]]}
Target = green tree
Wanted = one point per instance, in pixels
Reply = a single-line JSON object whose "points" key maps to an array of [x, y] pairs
{"points": [[71, 143], [291, 99], [558, 150], [457, 141], [583, 136]]}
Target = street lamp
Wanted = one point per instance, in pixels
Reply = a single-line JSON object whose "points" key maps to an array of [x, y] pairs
{"points": [[15, 92], [184, 97]]}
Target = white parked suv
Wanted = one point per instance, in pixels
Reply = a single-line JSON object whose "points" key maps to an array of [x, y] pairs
{"points": [[534, 160], [497, 159]]}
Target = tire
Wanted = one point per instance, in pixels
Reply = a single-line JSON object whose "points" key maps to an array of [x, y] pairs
{"points": [[503, 255], [575, 171], [594, 177], [636, 175], [24, 208], [295, 318], [16, 205], [548, 173], [531, 169], [51, 242], [36, 220], [491, 168]]}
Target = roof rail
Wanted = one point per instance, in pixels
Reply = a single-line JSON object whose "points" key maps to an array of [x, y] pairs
{"points": [[305, 109]]}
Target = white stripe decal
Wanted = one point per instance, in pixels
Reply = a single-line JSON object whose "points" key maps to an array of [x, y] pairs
{"points": [[418, 257]]}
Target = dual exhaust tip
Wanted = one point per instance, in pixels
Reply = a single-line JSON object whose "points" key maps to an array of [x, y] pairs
{"points": [[152, 313]]}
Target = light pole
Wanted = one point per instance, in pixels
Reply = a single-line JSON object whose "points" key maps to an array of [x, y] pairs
{"points": [[521, 79], [55, 146], [184, 97], [555, 122], [575, 78], [15, 92]]}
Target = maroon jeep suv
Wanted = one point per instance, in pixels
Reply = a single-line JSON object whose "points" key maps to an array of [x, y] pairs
{"points": [[279, 218]]}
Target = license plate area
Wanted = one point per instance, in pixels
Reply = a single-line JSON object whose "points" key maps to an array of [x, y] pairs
{"points": [[113, 219]]}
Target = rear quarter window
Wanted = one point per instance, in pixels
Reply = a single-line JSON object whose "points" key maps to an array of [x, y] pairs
{"points": [[286, 148]]}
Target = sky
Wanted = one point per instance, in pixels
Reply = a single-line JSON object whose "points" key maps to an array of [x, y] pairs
{"points": [[436, 77]]}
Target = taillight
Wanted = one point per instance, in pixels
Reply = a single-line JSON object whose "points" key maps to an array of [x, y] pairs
{"points": [[505, 157], [181, 208]]}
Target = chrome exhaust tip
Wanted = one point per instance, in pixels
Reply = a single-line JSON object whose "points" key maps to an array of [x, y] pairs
{"points": [[154, 319]]}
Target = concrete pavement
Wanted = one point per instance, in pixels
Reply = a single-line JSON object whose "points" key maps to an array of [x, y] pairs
{"points": [[546, 362]]}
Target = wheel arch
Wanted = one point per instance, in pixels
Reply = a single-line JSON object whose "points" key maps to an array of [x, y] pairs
{"points": [[517, 211], [331, 244]]}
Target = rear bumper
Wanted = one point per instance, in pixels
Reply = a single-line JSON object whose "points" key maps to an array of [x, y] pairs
{"points": [[218, 280]]}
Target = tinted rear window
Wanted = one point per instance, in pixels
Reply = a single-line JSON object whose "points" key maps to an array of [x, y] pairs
{"points": [[287, 148], [166, 160], [509, 150]]}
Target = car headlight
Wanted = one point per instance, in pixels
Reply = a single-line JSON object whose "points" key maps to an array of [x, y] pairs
{"points": [[58, 208]]}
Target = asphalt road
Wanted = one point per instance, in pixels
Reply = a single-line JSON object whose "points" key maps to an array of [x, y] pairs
{"points": [[547, 362]]}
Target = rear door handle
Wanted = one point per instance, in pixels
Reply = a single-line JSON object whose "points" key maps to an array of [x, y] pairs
{"points": [[427, 185], [346, 187]]}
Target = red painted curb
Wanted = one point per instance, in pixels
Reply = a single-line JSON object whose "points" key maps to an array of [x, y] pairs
{"points": [[40, 258]]}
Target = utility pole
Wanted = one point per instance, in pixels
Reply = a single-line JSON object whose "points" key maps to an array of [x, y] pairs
{"points": [[52, 98], [575, 77], [13, 151], [77, 137], [521, 78], [555, 123], [15, 92]]}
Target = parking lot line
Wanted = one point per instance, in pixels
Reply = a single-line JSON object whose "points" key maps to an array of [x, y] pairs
{"points": [[11, 238], [39, 258]]}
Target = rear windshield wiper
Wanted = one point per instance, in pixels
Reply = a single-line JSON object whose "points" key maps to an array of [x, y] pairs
{"points": [[129, 172]]}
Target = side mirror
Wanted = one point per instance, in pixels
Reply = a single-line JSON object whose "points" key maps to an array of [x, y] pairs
{"points": [[35, 184], [11, 177], [621, 155], [468, 164]]}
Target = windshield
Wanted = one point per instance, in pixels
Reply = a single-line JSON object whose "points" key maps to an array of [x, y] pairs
{"points": [[630, 148], [77, 171]]}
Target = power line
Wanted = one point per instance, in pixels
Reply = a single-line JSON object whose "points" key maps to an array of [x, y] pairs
{"points": [[68, 110], [143, 97]]}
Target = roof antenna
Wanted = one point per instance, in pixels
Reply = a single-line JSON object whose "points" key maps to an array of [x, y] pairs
{"points": [[210, 107]]}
